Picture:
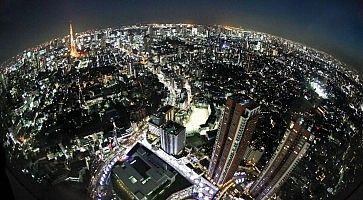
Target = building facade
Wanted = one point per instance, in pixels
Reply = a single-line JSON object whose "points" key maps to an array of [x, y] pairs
{"points": [[172, 138], [155, 123], [292, 148], [233, 137]]}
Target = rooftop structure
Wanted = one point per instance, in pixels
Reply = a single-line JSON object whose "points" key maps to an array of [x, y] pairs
{"points": [[143, 176]]}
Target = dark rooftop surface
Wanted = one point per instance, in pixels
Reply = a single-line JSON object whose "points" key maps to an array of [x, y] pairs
{"points": [[146, 175], [244, 100]]}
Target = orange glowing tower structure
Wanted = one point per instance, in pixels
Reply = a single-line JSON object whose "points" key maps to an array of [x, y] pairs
{"points": [[74, 53]]}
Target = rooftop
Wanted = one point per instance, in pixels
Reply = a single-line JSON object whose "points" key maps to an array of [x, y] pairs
{"points": [[172, 127], [144, 173], [244, 100]]}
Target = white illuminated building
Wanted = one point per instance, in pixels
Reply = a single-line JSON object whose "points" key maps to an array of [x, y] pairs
{"points": [[172, 138]]}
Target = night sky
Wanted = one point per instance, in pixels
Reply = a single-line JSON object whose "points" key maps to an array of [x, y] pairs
{"points": [[335, 27]]}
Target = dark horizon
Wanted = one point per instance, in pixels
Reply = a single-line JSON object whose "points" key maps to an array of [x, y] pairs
{"points": [[334, 28]]}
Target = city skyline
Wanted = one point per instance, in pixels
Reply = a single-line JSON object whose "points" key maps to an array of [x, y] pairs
{"points": [[334, 28], [191, 111]]}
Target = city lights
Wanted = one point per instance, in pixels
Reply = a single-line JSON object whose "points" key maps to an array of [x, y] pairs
{"points": [[178, 111]]}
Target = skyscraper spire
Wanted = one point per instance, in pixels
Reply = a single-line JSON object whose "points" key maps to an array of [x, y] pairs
{"points": [[73, 48]]}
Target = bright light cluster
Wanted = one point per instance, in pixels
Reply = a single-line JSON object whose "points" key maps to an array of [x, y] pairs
{"points": [[318, 88]]}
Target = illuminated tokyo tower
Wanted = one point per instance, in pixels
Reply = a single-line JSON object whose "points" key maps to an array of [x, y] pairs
{"points": [[74, 53]]}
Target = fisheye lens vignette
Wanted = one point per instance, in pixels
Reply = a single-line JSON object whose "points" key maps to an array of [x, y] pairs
{"points": [[180, 111]]}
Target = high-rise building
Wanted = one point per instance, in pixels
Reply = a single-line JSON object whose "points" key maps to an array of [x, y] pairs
{"points": [[168, 112], [130, 68], [163, 115], [3, 82], [155, 123], [292, 148], [172, 138], [147, 43], [233, 137]]}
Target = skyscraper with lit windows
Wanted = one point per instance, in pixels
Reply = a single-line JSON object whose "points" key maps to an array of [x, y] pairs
{"points": [[234, 134], [292, 148]]}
